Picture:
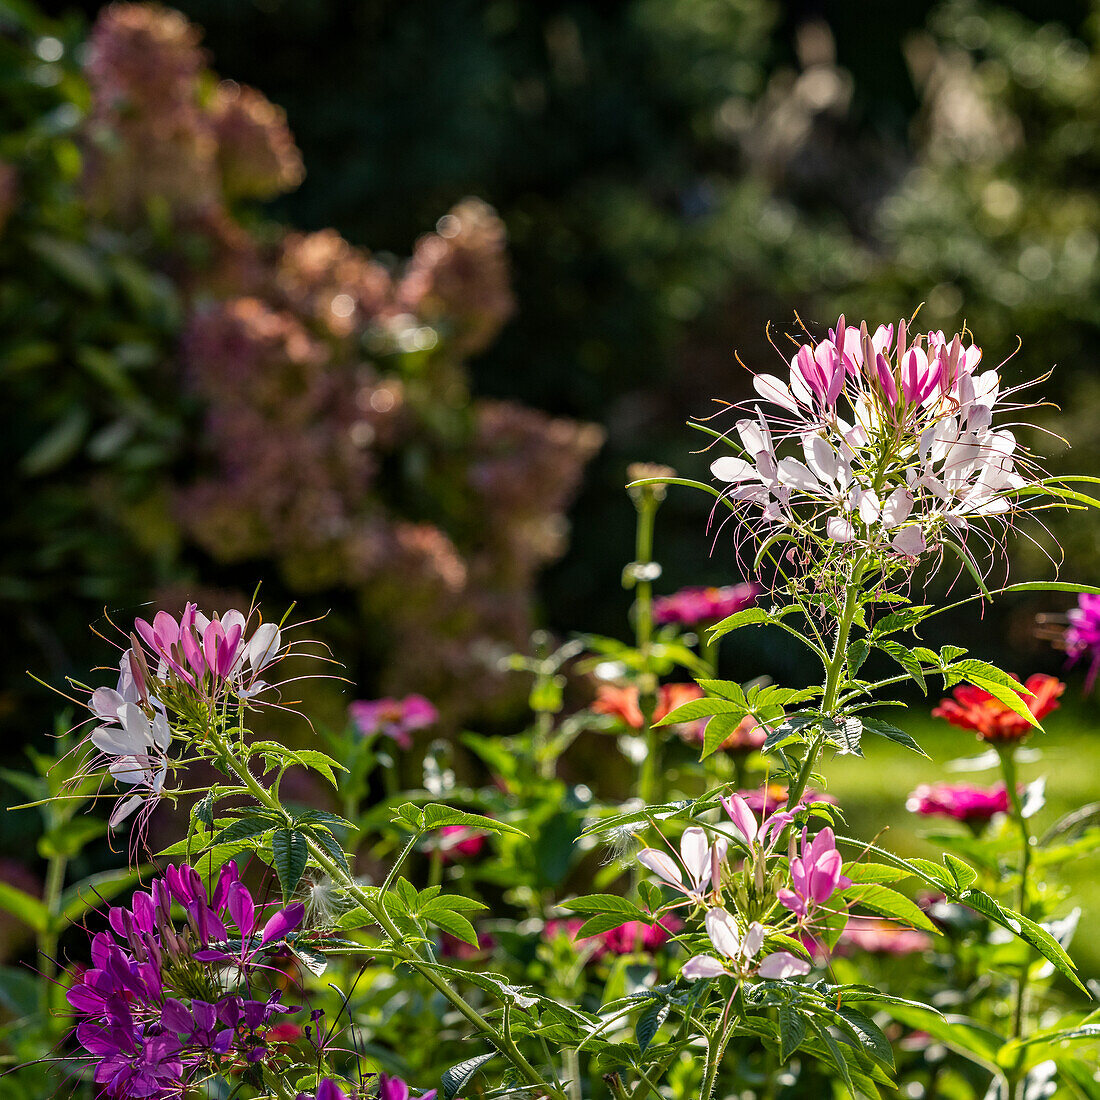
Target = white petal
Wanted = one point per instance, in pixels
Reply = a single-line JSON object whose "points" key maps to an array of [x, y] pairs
{"points": [[702, 966], [116, 742], [695, 852], [723, 932], [772, 389], [162, 732], [754, 940], [868, 506], [909, 541], [898, 506], [135, 723], [821, 458], [264, 645], [839, 529], [130, 770], [105, 702], [660, 863], [728, 468], [124, 809], [782, 964], [797, 476]]}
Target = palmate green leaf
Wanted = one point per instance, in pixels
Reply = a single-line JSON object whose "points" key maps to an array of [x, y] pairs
{"points": [[289, 853], [452, 922], [874, 872], [888, 903], [606, 903], [905, 657], [868, 1034], [751, 616], [963, 874], [999, 684], [836, 1056], [649, 1023], [718, 729], [724, 689], [325, 840]]}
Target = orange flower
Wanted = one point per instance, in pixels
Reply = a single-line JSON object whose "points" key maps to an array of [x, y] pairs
{"points": [[974, 709], [623, 701]]}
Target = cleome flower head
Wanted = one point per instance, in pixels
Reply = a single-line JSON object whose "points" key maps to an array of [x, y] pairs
{"points": [[884, 441], [736, 954]]}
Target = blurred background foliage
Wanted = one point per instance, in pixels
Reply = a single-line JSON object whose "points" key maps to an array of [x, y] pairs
{"points": [[230, 352]]}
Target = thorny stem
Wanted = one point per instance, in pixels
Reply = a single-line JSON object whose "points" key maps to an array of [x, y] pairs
{"points": [[402, 950]]}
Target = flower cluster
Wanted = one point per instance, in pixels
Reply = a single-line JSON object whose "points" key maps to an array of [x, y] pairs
{"points": [[187, 666], [161, 1004], [703, 875], [993, 721], [895, 448]]}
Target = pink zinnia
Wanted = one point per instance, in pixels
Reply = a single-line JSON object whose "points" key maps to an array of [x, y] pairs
{"points": [[459, 842], [960, 801], [692, 606], [393, 718]]}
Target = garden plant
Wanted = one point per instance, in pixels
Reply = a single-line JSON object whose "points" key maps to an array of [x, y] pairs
{"points": [[651, 894]]}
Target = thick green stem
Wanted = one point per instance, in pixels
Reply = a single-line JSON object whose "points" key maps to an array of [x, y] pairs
{"points": [[833, 670], [402, 950]]}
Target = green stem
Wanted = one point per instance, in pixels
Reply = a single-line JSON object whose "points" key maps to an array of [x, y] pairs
{"points": [[643, 639], [48, 940], [402, 950], [834, 667], [1007, 755]]}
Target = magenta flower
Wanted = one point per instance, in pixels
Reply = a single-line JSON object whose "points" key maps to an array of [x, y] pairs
{"points": [[815, 875], [961, 801], [880, 937], [393, 718], [459, 842], [693, 606], [1082, 635], [393, 1088], [627, 939], [762, 835]]}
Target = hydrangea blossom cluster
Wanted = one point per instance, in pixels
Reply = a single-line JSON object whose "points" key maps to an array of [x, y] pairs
{"points": [[163, 1003], [893, 438]]}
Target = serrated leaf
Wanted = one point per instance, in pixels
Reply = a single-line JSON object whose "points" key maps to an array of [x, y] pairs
{"points": [[314, 961], [244, 828], [437, 815], [963, 873], [718, 729], [456, 1078], [649, 1022], [874, 872], [891, 732], [908, 661], [869, 1035], [703, 708], [606, 903], [752, 616], [321, 763], [792, 1030], [888, 903], [290, 853]]}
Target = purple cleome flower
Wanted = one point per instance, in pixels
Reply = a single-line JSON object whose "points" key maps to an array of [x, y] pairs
{"points": [[1082, 636], [151, 1011]]}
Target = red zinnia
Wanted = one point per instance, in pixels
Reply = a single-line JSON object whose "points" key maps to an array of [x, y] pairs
{"points": [[974, 709]]}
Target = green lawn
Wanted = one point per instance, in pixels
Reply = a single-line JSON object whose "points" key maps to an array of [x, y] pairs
{"points": [[873, 791]]}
